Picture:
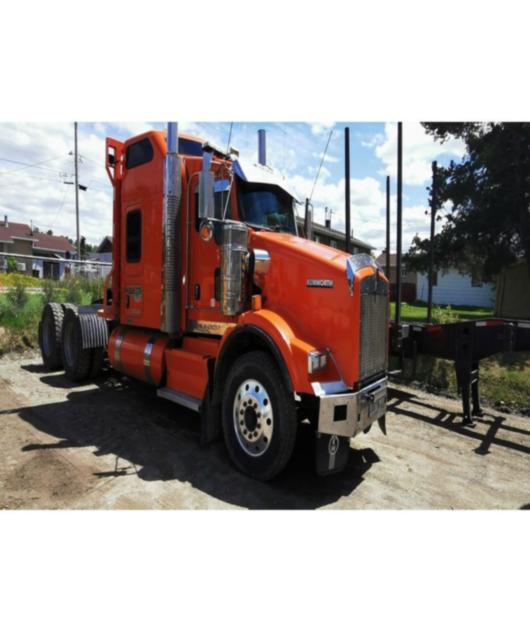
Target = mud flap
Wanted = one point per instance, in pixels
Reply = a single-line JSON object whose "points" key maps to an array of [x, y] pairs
{"points": [[331, 453], [382, 424], [211, 429]]}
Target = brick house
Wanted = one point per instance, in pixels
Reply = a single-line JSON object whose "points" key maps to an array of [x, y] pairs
{"points": [[20, 238]]}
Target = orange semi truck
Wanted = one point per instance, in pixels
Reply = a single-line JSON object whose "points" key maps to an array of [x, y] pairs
{"points": [[216, 301]]}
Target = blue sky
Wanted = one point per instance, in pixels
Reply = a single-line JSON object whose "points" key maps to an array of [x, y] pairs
{"points": [[35, 161]]}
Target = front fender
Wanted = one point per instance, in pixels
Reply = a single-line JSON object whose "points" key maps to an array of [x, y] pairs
{"points": [[292, 349]]}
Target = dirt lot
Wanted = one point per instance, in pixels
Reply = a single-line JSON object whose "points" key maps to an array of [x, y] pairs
{"points": [[113, 444]]}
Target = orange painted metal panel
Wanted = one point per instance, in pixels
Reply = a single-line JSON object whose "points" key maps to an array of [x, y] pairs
{"points": [[187, 372]]}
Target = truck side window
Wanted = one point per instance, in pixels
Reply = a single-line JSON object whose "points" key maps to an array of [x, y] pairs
{"points": [[133, 236], [138, 153]]}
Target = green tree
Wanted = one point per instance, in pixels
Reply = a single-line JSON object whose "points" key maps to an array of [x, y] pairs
{"points": [[11, 265], [488, 195]]}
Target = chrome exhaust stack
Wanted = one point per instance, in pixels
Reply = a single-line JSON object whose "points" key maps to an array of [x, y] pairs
{"points": [[262, 147], [170, 303]]}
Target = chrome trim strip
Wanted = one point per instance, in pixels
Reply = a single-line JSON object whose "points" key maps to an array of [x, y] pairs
{"points": [[147, 358], [178, 397], [207, 327], [329, 387]]}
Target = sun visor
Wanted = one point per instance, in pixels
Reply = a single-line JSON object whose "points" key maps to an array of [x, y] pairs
{"points": [[259, 174]]}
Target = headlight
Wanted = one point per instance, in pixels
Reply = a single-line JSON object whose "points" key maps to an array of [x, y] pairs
{"points": [[262, 263], [317, 361]]}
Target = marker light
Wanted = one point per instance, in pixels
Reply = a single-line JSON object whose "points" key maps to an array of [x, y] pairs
{"points": [[206, 231], [316, 361]]}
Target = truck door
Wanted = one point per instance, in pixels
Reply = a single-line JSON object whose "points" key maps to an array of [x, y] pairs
{"points": [[203, 297]]}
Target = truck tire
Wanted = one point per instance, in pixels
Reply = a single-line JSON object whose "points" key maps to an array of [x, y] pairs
{"points": [[259, 417], [68, 305], [50, 328], [76, 360], [98, 358]]}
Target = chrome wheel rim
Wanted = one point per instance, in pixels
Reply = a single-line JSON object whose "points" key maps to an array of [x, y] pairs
{"points": [[253, 417]]}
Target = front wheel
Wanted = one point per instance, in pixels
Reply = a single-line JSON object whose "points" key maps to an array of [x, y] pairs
{"points": [[259, 417]]}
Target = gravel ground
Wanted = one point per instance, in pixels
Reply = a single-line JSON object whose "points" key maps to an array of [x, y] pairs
{"points": [[114, 444]]}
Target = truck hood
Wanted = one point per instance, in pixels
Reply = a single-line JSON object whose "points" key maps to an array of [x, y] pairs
{"points": [[307, 284]]}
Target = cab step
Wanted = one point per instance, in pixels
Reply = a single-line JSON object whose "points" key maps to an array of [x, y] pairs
{"points": [[180, 398]]}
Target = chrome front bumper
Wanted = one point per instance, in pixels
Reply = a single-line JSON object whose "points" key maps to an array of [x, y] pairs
{"points": [[349, 413]]}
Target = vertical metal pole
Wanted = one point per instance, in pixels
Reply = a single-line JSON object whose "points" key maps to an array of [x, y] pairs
{"points": [[431, 251], [262, 147], [347, 198], [308, 220], [387, 265], [76, 195], [399, 221]]}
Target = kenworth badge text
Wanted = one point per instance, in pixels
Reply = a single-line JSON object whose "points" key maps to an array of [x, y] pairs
{"points": [[216, 301]]}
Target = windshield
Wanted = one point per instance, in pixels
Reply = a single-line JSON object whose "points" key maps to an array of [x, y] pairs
{"points": [[266, 206]]}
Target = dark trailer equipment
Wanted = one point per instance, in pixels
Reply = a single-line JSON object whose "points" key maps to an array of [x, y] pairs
{"points": [[465, 342]]}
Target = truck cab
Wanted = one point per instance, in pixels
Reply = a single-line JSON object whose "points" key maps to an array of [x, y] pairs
{"points": [[217, 302]]}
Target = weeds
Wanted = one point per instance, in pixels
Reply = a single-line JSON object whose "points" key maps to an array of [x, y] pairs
{"points": [[444, 315], [20, 311], [49, 291]]}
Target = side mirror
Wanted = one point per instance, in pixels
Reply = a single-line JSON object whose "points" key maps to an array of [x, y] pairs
{"points": [[206, 185]]}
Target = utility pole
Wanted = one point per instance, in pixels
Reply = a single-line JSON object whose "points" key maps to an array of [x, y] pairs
{"points": [[399, 221], [76, 194], [431, 251], [387, 270], [347, 188]]}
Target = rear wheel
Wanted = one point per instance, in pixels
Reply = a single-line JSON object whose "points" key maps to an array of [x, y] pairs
{"points": [[76, 360], [259, 417], [50, 336]]}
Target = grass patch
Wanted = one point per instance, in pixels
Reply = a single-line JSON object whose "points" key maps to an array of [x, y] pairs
{"points": [[18, 280], [504, 378], [442, 314], [20, 311], [19, 320]]}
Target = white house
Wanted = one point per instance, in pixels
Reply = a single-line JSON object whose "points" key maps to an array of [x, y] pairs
{"points": [[452, 287]]}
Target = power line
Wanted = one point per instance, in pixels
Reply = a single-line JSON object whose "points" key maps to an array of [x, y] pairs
{"points": [[58, 210], [26, 165], [84, 157], [321, 162], [46, 179]]}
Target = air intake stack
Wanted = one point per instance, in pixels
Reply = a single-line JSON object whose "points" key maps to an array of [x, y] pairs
{"points": [[262, 147], [170, 306]]}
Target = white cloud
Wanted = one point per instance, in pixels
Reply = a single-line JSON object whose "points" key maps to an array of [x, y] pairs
{"points": [[419, 150], [38, 193], [331, 159], [367, 204], [318, 128]]}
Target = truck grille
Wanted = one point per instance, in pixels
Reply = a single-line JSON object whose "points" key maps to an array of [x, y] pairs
{"points": [[374, 326]]}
